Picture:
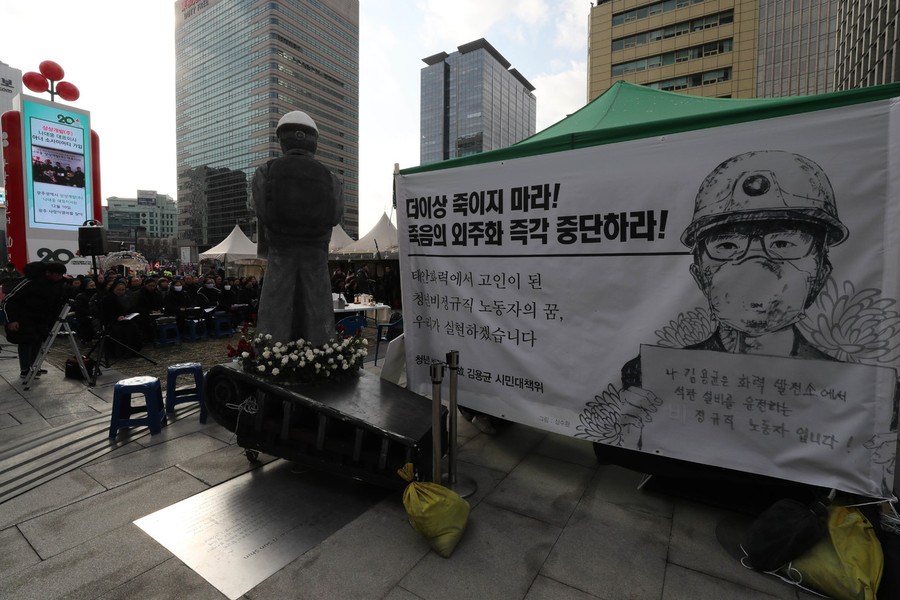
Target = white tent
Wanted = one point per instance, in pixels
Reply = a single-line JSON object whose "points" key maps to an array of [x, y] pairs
{"points": [[380, 242], [236, 245], [339, 239]]}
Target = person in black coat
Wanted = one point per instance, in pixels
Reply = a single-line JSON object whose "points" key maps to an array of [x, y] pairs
{"points": [[113, 311], [32, 307], [148, 305], [177, 302], [84, 312]]}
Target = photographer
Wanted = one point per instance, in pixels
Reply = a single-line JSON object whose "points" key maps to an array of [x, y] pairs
{"points": [[31, 308]]}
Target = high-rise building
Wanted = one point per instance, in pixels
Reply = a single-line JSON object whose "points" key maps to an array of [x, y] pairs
{"points": [[471, 102], [241, 65], [868, 51], [714, 48]]}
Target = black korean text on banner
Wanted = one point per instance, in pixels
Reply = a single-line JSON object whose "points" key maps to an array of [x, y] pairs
{"points": [[524, 215]]}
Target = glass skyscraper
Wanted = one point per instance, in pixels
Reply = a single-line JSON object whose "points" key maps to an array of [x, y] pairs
{"points": [[471, 102], [241, 65], [868, 43]]}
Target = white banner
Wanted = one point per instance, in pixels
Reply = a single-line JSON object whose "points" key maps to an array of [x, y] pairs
{"points": [[769, 239]]}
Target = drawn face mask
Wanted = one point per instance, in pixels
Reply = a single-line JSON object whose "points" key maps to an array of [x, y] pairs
{"points": [[758, 295]]}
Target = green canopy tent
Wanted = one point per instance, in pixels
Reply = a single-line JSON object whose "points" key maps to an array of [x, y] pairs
{"points": [[627, 112]]}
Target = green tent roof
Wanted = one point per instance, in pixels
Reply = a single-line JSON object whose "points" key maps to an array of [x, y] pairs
{"points": [[627, 111]]}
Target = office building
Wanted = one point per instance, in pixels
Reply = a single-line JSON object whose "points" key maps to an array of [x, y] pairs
{"points": [[471, 102], [868, 49], [241, 65], [150, 214], [714, 48]]}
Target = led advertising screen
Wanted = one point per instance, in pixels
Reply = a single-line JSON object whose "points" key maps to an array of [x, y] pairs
{"points": [[57, 165]]}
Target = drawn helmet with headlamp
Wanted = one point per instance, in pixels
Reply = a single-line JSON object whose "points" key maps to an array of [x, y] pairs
{"points": [[764, 186]]}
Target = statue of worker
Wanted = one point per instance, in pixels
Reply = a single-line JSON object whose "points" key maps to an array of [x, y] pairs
{"points": [[298, 201]]}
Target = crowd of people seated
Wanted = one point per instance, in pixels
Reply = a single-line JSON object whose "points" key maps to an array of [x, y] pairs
{"points": [[127, 308]]}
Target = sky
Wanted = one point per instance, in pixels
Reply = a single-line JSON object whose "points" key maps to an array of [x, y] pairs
{"points": [[121, 56]]}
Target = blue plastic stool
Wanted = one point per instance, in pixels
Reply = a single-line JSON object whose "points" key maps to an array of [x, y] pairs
{"points": [[122, 408], [196, 329], [167, 333], [191, 394], [221, 326]]}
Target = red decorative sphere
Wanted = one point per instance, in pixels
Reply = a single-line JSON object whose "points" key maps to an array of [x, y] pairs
{"points": [[51, 70], [67, 91], [35, 82]]}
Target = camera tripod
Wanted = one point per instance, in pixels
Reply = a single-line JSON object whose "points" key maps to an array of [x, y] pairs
{"points": [[61, 324]]}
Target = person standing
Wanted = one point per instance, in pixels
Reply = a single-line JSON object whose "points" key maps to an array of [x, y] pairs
{"points": [[364, 280], [31, 308]]}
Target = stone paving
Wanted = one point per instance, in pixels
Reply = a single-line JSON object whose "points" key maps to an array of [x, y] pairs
{"points": [[547, 521]]}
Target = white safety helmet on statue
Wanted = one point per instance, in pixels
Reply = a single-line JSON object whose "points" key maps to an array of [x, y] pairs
{"points": [[297, 117]]}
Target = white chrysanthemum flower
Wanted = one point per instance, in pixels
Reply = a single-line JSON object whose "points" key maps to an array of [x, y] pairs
{"points": [[267, 354], [261, 368], [245, 355], [275, 371], [330, 361], [302, 363], [285, 360], [268, 336], [345, 366]]}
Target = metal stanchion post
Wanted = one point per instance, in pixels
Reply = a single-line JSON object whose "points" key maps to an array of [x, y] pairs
{"points": [[461, 484], [437, 375], [453, 365]]}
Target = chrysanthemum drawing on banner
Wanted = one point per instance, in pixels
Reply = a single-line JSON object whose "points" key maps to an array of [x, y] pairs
{"points": [[762, 228]]}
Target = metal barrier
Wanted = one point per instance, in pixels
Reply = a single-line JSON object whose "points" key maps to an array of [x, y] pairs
{"points": [[461, 484]]}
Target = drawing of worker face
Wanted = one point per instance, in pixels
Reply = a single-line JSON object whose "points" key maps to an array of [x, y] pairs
{"points": [[762, 225]]}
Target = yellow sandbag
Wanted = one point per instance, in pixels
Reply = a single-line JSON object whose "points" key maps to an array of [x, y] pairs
{"points": [[847, 564], [439, 514]]}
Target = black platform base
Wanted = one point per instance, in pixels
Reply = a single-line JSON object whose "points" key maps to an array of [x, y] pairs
{"points": [[365, 428]]}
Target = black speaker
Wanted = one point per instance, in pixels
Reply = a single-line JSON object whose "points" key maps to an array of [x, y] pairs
{"points": [[92, 240]]}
